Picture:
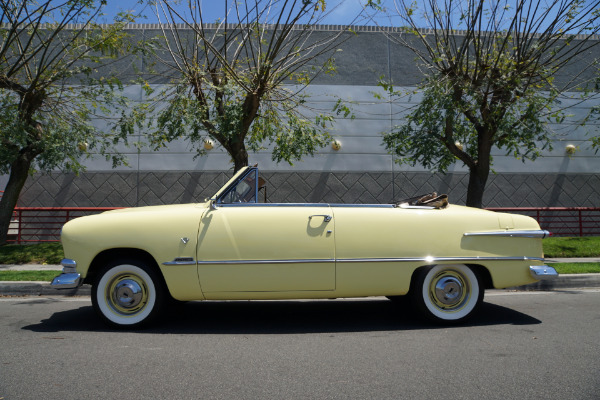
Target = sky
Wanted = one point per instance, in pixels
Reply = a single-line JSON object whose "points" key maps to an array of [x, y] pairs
{"points": [[340, 12]]}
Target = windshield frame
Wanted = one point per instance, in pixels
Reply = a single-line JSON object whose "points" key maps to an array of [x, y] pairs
{"points": [[233, 183]]}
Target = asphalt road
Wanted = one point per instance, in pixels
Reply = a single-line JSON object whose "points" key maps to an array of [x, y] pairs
{"points": [[523, 345]]}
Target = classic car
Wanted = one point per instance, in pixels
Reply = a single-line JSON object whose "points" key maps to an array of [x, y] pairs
{"points": [[237, 246]]}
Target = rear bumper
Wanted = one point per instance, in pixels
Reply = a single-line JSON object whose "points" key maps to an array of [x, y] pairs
{"points": [[70, 278], [543, 272]]}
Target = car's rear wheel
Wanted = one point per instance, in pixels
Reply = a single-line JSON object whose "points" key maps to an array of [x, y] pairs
{"points": [[447, 293], [128, 293]]}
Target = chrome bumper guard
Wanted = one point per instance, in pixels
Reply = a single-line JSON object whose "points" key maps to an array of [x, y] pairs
{"points": [[69, 279], [543, 272]]}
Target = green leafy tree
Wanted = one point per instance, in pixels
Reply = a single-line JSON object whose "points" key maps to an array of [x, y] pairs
{"points": [[490, 71], [594, 116], [45, 110], [237, 81]]}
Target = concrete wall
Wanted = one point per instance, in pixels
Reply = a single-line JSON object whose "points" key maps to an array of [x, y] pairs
{"points": [[107, 189], [361, 171]]}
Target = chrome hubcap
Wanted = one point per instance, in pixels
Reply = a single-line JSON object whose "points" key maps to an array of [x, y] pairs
{"points": [[448, 290], [128, 293]]}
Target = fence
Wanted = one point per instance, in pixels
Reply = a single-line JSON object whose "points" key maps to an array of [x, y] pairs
{"points": [[43, 224], [562, 221]]}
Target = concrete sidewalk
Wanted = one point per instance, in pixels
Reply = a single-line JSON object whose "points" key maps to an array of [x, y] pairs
{"points": [[31, 267], [10, 288], [573, 260]]}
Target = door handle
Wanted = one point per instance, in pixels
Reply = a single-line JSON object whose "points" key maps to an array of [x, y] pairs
{"points": [[326, 217]]}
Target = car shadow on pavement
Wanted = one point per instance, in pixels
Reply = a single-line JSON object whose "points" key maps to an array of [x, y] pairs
{"points": [[281, 317]]}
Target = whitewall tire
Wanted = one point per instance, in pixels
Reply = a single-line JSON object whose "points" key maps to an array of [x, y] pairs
{"points": [[127, 293], [447, 293]]}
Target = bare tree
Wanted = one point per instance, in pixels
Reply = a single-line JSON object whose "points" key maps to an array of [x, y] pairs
{"points": [[229, 77], [46, 48], [491, 69]]}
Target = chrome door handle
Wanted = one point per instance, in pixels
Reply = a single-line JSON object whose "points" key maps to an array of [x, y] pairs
{"points": [[326, 217]]}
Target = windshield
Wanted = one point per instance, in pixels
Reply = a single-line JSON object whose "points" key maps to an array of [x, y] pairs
{"points": [[243, 190]]}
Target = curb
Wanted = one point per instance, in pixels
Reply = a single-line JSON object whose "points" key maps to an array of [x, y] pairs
{"points": [[31, 267], [567, 281], [40, 289]]}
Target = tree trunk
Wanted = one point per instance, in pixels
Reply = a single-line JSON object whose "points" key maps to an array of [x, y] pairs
{"points": [[19, 171], [479, 171], [478, 176], [238, 153], [240, 157]]}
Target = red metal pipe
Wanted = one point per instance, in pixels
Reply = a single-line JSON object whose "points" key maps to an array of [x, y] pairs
{"points": [[543, 208], [562, 220]]}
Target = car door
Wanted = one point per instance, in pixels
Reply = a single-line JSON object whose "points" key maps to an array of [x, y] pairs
{"points": [[266, 248]]}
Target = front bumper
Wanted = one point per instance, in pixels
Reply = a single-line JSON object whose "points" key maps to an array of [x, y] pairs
{"points": [[543, 272], [69, 279]]}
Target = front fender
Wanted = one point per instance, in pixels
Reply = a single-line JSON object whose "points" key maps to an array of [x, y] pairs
{"points": [[166, 233]]}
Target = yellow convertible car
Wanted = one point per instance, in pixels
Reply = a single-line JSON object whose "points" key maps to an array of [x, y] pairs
{"points": [[234, 246]]}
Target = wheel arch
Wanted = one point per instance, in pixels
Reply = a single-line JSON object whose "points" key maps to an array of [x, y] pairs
{"points": [[484, 275], [118, 253], [482, 271], [448, 293]]}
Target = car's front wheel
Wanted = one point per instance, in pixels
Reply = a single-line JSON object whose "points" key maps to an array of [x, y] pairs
{"points": [[127, 293], [447, 293]]}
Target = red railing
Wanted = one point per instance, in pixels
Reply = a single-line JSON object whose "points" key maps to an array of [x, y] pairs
{"points": [[562, 221], [43, 224]]}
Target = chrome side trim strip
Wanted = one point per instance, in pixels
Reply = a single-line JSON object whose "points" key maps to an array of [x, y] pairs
{"points": [[342, 205], [411, 207], [428, 260], [332, 205], [308, 261], [325, 205], [181, 261], [524, 234]]}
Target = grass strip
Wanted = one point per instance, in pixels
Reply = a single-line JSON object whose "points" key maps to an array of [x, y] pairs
{"points": [[39, 253], [576, 268], [46, 276], [586, 246]]}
